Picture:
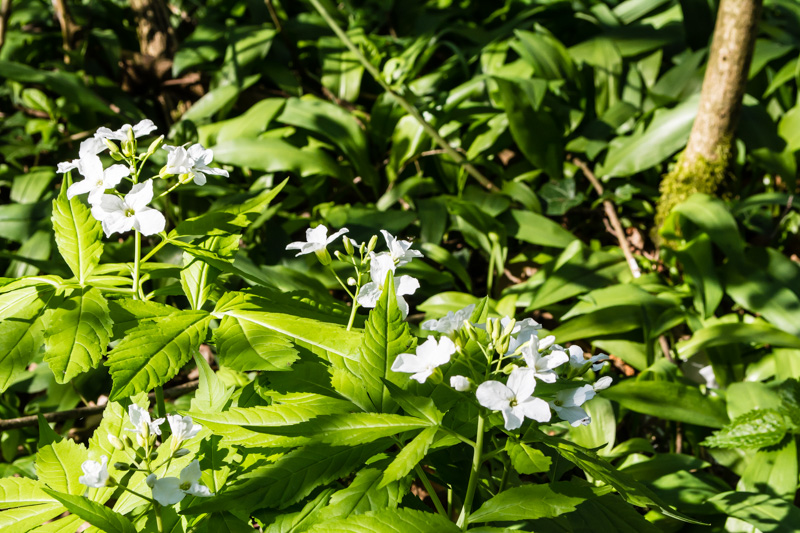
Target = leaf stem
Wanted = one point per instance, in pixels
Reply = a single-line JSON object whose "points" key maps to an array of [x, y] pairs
{"points": [[161, 410], [159, 522], [431, 491], [405, 104], [355, 302], [137, 251], [463, 519], [157, 247]]}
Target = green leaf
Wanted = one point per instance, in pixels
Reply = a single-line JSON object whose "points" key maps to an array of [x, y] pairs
{"points": [[59, 466], [341, 71], [22, 491], [245, 346], [411, 454], [418, 406], [390, 521], [527, 460], [757, 429], [386, 335], [537, 229], [609, 513], [228, 523], [766, 513], [561, 196], [212, 394], [268, 154], [78, 234], [198, 276], [30, 516], [733, 333], [154, 352], [365, 493], [530, 502], [348, 429], [128, 313], [96, 514], [76, 333], [291, 478], [670, 401], [338, 126]]}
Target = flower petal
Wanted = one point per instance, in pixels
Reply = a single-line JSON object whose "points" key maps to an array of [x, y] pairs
{"points": [[408, 362], [141, 194], [167, 491], [494, 395], [149, 221], [143, 127], [523, 382], [191, 473], [535, 409], [114, 174]]}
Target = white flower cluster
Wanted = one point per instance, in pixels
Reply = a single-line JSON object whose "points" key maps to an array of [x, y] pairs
{"points": [[119, 213], [535, 360], [380, 264], [166, 490]]}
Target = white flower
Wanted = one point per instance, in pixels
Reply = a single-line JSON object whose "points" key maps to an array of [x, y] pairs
{"points": [[460, 383], [380, 265], [400, 251], [577, 359], [89, 147], [316, 240], [182, 428], [171, 490], [96, 179], [567, 405], [546, 342], [193, 160], [450, 322], [430, 354], [542, 366], [142, 423], [151, 480], [602, 383], [120, 215], [95, 474], [142, 128], [514, 400]]}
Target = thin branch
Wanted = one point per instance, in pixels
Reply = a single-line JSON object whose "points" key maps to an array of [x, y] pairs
{"points": [[5, 14], [611, 214], [80, 412], [405, 104]]}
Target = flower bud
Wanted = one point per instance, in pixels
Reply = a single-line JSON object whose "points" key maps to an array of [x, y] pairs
{"points": [[348, 246], [122, 466], [127, 442], [129, 148], [151, 480], [460, 383], [323, 256], [352, 281], [181, 453], [372, 243], [115, 442], [155, 145], [141, 441]]}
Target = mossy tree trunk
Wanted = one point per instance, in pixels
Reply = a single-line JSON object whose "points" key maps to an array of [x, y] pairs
{"points": [[702, 165]]}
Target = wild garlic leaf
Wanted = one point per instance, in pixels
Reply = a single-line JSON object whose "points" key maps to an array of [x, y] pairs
{"points": [[76, 333], [78, 234]]}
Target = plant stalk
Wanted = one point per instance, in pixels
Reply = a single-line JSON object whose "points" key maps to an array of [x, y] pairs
{"points": [[137, 251], [161, 410], [474, 476], [429, 487], [405, 104]]}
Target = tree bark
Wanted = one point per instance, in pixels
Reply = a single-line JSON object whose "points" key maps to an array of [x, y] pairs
{"points": [[154, 30], [702, 165]]}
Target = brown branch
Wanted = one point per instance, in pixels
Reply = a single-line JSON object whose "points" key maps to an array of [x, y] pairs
{"points": [[611, 214], [80, 412], [5, 14]]}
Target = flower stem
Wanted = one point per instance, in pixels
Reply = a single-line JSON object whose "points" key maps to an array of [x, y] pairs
{"points": [[355, 302], [474, 476], [159, 523], [137, 251], [142, 496], [161, 410], [431, 491]]}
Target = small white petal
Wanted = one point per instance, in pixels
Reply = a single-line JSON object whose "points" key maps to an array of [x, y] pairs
{"points": [[167, 491], [460, 383], [494, 395], [191, 473], [149, 221], [602, 383]]}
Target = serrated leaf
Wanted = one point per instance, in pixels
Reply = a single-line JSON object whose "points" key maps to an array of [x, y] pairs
{"points": [[365, 493], [22, 491], [25, 518], [530, 502], [757, 429], [59, 466], [527, 460], [390, 521], [767, 513], [153, 353], [66, 524], [413, 405], [197, 276], [228, 523], [303, 519], [212, 394], [128, 313], [386, 335], [291, 478], [96, 514], [411, 454], [349, 429], [351, 387], [76, 333], [245, 346], [78, 234]]}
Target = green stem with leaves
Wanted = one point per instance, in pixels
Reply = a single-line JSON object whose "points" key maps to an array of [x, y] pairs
{"points": [[405, 104], [474, 476]]}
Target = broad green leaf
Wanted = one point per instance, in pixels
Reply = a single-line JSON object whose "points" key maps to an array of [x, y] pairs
{"points": [[775, 467], [761, 293], [670, 401], [276, 155], [78, 234], [662, 464], [609, 513], [530, 502], [348, 429], [30, 516], [228, 523], [767, 513], [234, 216], [96, 514], [66, 524], [548, 57], [411, 454], [366, 493], [76, 333], [59, 466], [527, 460], [616, 295], [302, 519], [604, 322], [341, 71], [390, 521], [603, 429], [245, 346], [418, 406], [212, 394], [709, 215], [333, 339], [22, 491], [128, 313], [291, 478], [757, 429], [537, 229], [153, 353], [561, 196], [338, 126], [386, 335], [722, 334], [197, 276], [666, 134]]}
